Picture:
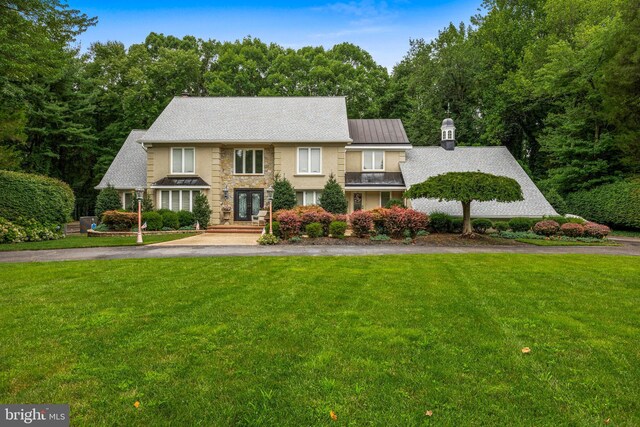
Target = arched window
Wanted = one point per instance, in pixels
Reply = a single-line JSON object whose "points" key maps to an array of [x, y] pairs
{"points": [[450, 134], [444, 134]]}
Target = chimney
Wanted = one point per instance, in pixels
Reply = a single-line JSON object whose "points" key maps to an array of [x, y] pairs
{"points": [[448, 135]]}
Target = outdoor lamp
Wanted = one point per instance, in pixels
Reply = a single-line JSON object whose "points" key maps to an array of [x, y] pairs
{"points": [[139, 195], [225, 192], [270, 193], [270, 198]]}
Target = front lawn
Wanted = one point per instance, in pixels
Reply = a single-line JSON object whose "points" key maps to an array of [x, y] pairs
{"points": [[91, 242], [285, 340]]}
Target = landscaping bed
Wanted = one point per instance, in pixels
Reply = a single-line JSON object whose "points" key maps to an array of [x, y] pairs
{"points": [[93, 233], [437, 239]]}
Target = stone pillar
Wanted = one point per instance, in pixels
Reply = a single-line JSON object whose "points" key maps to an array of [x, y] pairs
{"points": [[215, 194]]}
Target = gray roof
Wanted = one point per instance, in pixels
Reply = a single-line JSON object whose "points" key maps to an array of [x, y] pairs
{"points": [[447, 122], [377, 131], [129, 168], [251, 119], [377, 179], [424, 162]]}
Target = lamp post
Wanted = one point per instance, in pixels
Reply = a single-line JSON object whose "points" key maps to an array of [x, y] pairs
{"points": [[270, 198], [139, 196]]}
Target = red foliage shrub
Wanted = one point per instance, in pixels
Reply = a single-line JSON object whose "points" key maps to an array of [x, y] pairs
{"points": [[119, 221], [394, 221], [290, 224], [415, 221], [546, 228], [361, 223], [571, 229], [341, 217], [599, 231]]}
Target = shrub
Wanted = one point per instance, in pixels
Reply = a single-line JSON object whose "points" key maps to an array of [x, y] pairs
{"points": [[333, 199], [314, 230], [309, 217], [414, 221], [35, 232], [481, 225], [520, 224], [378, 217], [102, 227], [201, 210], [108, 200], [153, 220], [289, 224], [394, 202], [501, 226], [170, 220], [559, 219], [119, 221], [394, 221], [295, 239], [599, 231], [10, 232], [284, 195], [556, 200], [379, 238], [440, 222], [361, 223], [337, 229], [341, 218], [186, 219], [616, 204], [572, 230], [275, 228], [44, 199], [457, 225], [268, 239], [422, 233], [546, 228]]}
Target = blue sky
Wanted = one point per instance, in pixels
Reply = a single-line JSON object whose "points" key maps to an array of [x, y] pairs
{"points": [[383, 28]]}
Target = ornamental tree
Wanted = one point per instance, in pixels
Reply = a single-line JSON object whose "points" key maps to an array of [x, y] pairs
{"points": [[466, 187], [108, 200], [284, 195], [333, 199]]}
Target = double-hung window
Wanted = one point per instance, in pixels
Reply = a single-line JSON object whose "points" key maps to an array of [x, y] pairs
{"points": [[183, 160], [248, 161], [385, 196], [309, 160], [177, 200], [309, 197], [373, 160]]}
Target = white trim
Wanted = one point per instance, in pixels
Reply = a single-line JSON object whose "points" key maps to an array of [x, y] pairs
{"points": [[399, 147], [244, 150], [357, 189], [380, 197], [245, 141], [373, 158], [179, 190], [171, 160], [316, 198], [181, 187], [298, 172]]}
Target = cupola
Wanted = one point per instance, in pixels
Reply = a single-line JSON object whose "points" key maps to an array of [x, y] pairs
{"points": [[448, 132]]}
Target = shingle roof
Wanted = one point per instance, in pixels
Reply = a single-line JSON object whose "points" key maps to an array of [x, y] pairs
{"points": [[251, 119], [377, 131], [129, 168], [424, 162]]}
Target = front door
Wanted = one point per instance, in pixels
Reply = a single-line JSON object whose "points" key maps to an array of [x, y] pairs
{"points": [[247, 202]]}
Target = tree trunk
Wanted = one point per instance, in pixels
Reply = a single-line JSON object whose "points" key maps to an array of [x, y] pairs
{"points": [[466, 219]]}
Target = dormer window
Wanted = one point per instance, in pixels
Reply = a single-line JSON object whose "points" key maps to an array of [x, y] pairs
{"points": [[183, 160], [450, 134], [444, 134]]}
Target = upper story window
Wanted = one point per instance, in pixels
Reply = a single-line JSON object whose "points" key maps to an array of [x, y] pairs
{"points": [[248, 161], [449, 134], [309, 160], [183, 160], [373, 160]]}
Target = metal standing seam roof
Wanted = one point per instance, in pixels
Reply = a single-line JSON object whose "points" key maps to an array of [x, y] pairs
{"points": [[129, 168], [251, 119], [377, 131], [425, 162], [194, 181], [377, 179]]}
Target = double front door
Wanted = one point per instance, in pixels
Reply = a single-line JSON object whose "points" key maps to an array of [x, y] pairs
{"points": [[247, 202]]}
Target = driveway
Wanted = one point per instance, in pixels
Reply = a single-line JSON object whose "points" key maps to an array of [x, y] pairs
{"points": [[174, 251]]}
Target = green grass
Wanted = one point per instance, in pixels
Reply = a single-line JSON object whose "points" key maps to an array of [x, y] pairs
{"points": [[542, 242], [625, 233], [284, 340], [91, 242]]}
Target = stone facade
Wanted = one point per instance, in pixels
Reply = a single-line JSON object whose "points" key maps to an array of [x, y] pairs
{"points": [[227, 177]]}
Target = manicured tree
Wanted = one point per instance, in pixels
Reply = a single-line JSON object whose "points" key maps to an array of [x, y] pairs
{"points": [[201, 210], [284, 195], [108, 200], [333, 199], [466, 187]]}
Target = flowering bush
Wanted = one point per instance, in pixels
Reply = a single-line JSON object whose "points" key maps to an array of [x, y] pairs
{"points": [[599, 231], [572, 230], [119, 221], [546, 227], [361, 223], [10, 232], [268, 239], [27, 230], [290, 223]]}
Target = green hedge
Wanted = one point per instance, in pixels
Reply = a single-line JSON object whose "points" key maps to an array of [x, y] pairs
{"points": [[616, 205], [29, 196]]}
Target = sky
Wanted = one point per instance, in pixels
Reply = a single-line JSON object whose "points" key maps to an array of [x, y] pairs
{"points": [[382, 28]]}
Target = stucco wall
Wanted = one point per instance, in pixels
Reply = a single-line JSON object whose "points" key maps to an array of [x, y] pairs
{"points": [[392, 161], [370, 199]]}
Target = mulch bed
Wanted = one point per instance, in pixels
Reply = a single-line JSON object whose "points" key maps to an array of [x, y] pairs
{"points": [[436, 239]]}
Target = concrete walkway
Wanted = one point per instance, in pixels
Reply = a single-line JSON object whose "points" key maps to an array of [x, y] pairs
{"points": [[215, 239], [156, 251]]}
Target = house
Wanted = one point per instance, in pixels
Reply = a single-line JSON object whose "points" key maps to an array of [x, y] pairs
{"points": [[231, 149]]}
